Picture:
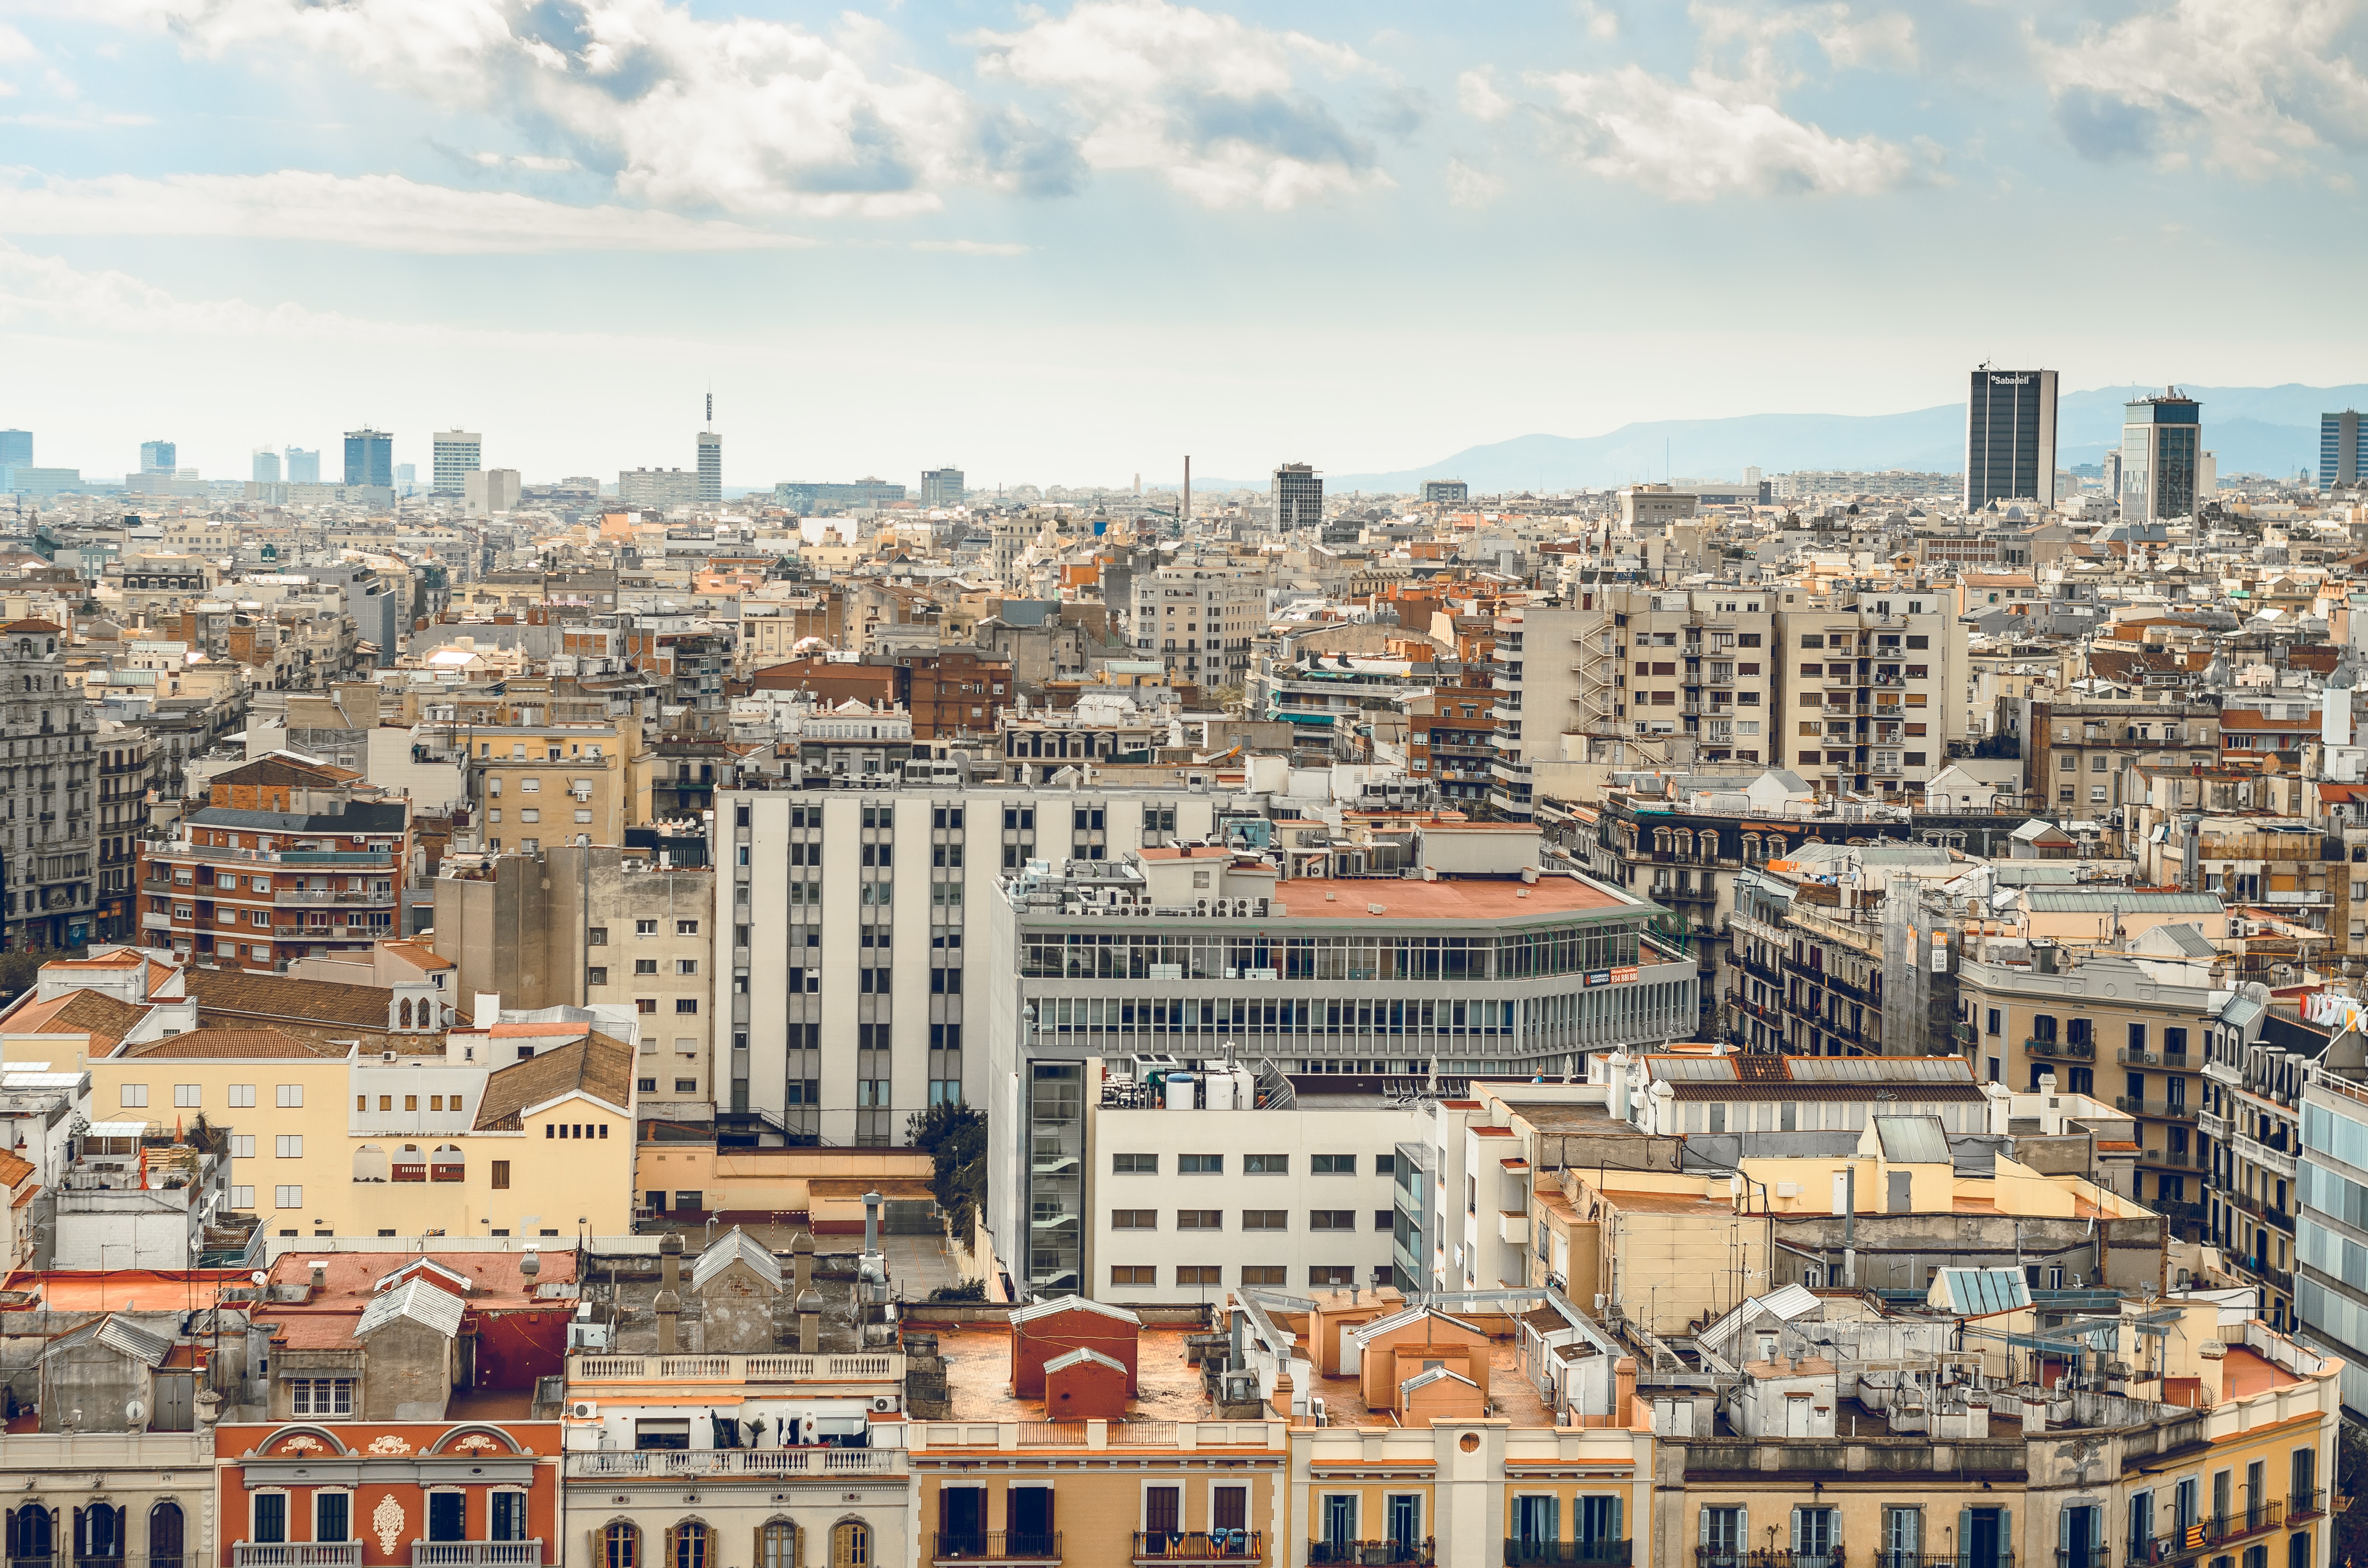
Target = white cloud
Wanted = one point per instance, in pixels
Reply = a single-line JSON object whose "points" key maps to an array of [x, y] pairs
{"points": [[2257, 86], [1468, 187], [377, 211], [747, 115], [1760, 45], [1707, 138], [975, 247], [1476, 95], [1214, 106], [532, 161]]}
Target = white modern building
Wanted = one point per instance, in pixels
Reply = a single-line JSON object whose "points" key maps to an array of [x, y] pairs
{"points": [[458, 454]]}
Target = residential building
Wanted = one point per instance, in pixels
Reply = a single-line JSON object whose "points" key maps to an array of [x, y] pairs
{"points": [[564, 783], [1653, 507], [2331, 1228], [1199, 620], [1875, 687], [941, 487], [2162, 449], [488, 492], [49, 842], [1450, 742], [2011, 438], [2341, 458], [369, 459], [457, 454], [2258, 1060], [159, 457], [658, 489], [1701, 665], [2077, 753], [105, 1493], [1297, 496]]}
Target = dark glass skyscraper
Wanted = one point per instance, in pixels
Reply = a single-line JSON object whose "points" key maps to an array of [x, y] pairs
{"points": [[1298, 496], [2162, 442], [369, 458], [2340, 458], [2010, 437]]}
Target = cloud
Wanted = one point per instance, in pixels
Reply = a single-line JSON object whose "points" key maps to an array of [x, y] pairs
{"points": [[744, 115], [1214, 106], [1468, 187], [533, 162], [375, 211], [974, 247], [1707, 138], [1476, 95], [2255, 87]]}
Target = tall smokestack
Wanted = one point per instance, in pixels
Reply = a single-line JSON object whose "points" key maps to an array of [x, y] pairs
{"points": [[871, 1224], [1187, 514]]}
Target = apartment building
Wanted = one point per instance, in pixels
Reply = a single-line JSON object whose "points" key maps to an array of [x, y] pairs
{"points": [[122, 813], [1700, 664], [845, 981], [1187, 953], [1451, 741], [48, 835], [1875, 688], [2258, 1061], [558, 784], [1199, 620], [2077, 755], [2331, 1228]]}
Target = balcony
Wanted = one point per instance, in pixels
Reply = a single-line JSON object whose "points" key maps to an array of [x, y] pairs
{"points": [[296, 1555], [2259, 1520], [673, 1462], [2072, 1049], [2167, 1110], [997, 1546], [1199, 1546], [2301, 1506], [1574, 1554], [1715, 1557], [2176, 1159], [476, 1553], [1375, 1553], [2171, 1061]]}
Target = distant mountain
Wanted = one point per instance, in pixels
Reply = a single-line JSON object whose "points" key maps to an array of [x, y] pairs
{"points": [[2252, 429]]}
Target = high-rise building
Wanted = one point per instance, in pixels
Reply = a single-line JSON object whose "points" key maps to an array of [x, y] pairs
{"points": [[266, 466], [658, 488], [943, 486], [2162, 439], [369, 458], [303, 466], [1298, 496], [490, 490], [711, 459], [1445, 492], [16, 449], [406, 475], [2340, 461], [159, 457], [2010, 437], [458, 454]]}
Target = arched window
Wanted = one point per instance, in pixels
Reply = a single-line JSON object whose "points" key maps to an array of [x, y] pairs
{"points": [[620, 1546], [777, 1545], [98, 1534], [448, 1163], [369, 1163], [409, 1163], [850, 1545], [1750, 849], [32, 1533], [166, 1538], [406, 1013], [689, 1545]]}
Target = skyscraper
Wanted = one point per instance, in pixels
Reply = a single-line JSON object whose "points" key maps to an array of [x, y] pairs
{"points": [[2010, 437], [16, 449], [457, 456], [2162, 437], [711, 459], [2340, 461], [369, 458], [1298, 496], [941, 487], [266, 466], [303, 466], [159, 457]]}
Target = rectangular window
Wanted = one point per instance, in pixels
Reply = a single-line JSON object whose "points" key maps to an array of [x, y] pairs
{"points": [[242, 1145], [1331, 1276], [1208, 1276], [1335, 1164], [1331, 1219], [501, 1173], [1266, 1219], [1201, 1164], [1138, 1276], [270, 1518], [1266, 1164], [683, 1005], [288, 1197], [134, 1096], [290, 1095], [1200, 1218], [1135, 1219], [1269, 1274], [242, 1095], [1134, 1165], [288, 1146], [242, 1197], [184, 1095]]}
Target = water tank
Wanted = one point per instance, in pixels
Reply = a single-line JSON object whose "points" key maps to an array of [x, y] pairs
{"points": [[1245, 1089], [1180, 1087], [1220, 1090]]}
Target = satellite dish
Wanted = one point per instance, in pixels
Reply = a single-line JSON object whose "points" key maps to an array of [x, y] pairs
{"points": [[257, 1277], [135, 1412]]}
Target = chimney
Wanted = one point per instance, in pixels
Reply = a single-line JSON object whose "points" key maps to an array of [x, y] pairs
{"points": [[318, 1271], [489, 1009], [670, 1301], [1282, 1386], [1623, 1391], [871, 1224], [804, 1299]]}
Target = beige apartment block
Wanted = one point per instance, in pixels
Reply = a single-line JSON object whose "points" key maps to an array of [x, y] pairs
{"points": [[1874, 685], [558, 784]]}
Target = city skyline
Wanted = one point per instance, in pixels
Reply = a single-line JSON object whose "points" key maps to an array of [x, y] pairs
{"points": [[1112, 211]]}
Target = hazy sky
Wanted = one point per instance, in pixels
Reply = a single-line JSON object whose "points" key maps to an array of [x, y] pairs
{"points": [[1071, 242]]}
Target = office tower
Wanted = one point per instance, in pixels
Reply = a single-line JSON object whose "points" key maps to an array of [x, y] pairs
{"points": [[658, 488], [159, 457], [456, 456], [1298, 496], [16, 449], [406, 476], [943, 486], [711, 459], [2010, 437], [1445, 492], [2340, 461], [490, 490], [303, 466], [266, 466], [2162, 437], [369, 458]]}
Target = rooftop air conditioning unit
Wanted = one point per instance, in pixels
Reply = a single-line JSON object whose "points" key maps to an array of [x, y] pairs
{"points": [[884, 1405], [583, 1409]]}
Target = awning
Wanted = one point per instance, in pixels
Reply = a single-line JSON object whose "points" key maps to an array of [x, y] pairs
{"points": [[1307, 718]]}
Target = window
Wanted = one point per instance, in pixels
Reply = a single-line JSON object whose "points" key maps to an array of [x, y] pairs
{"points": [[685, 966], [288, 1147], [1383, 1219], [646, 966], [1134, 1165], [686, 928], [321, 1396], [242, 1145], [134, 1096], [290, 1097], [1266, 1164], [270, 1522], [242, 1093], [1200, 1218], [1269, 1274], [242, 1197], [1335, 1164], [1323, 1276], [1135, 1219], [596, 975], [501, 1173], [1201, 1164], [645, 928], [1141, 1275], [1266, 1219], [1332, 1219], [1385, 1164], [185, 1095], [645, 1003], [685, 1005], [1209, 1275], [288, 1197], [595, 935]]}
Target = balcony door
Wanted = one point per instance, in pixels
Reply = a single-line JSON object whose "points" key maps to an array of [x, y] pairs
{"points": [[1598, 1519], [448, 1516], [1537, 1520], [1340, 1518], [1813, 1538], [1404, 1520], [1028, 1519]]}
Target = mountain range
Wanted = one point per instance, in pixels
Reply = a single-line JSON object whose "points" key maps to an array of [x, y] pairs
{"points": [[2271, 431]]}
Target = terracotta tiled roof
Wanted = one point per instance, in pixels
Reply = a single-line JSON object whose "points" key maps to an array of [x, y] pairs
{"points": [[94, 1013], [594, 1065], [14, 1168], [231, 1042], [236, 993]]}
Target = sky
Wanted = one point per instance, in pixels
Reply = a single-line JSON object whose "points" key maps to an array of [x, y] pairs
{"points": [[1069, 243]]}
